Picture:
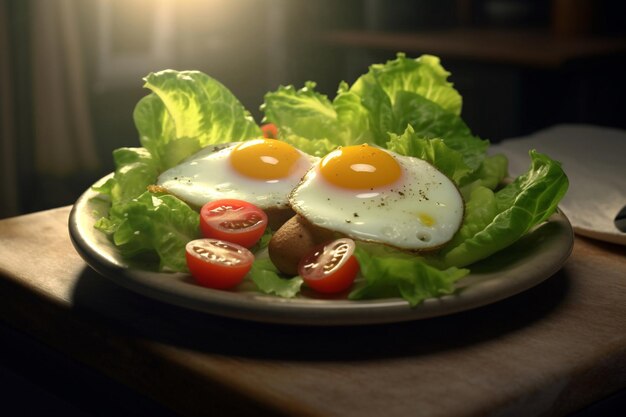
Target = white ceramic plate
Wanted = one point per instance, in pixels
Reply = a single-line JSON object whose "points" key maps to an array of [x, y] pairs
{"points": [[531, 260]]}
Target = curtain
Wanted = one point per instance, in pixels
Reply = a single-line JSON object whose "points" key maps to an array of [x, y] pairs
{"points": [[46, 135], [63, 134], [8, 152]]}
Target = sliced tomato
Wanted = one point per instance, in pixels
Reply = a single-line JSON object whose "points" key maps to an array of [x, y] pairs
{"points": [[270, 131], [234, 221], [331, 267], [218, 264]]}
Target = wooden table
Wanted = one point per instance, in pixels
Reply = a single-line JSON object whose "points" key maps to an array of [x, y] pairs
{"points": [[549, 351]]}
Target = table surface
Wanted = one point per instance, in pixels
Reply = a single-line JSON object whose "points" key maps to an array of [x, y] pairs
{"points": [[548, 351]]}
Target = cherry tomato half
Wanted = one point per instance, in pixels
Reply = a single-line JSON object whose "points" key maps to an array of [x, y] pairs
{"points": [[234, 221], [330, 268], [270, 131], [218, 264]]}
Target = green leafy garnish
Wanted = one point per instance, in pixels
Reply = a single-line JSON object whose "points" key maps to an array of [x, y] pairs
{"points": [[389, 273], [186, 111], [496, 220], [158, 224], [267, 279]]}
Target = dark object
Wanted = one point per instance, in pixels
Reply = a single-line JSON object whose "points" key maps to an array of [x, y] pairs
{"points": [[620, 220]]}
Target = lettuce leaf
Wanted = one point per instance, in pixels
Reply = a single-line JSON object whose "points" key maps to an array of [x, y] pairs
{"points": [[303, 112], [480, 210], [152, 224], [308, 120], [491, 173], [415, 92], [186, 111], [429, 120], [397, 274], [388, 98], [135, 170], [423, 76], [267, 279], [435, 151], [495, 220]]}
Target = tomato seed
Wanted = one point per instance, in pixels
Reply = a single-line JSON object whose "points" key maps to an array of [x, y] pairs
{"points": [[215, 258], [251, 220], [223, 208]]}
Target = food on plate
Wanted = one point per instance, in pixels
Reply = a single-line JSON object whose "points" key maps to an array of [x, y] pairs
{"points": [[218, 264], [441, 202], [260, 171], [270, 131], [234, 221], [372, 194], [292, 241], [331, 267]]}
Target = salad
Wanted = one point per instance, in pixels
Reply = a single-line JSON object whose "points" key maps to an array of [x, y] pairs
{"points": [[406, 106]]}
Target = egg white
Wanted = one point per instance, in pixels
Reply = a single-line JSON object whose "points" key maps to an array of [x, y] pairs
{"points": [[208, 176], [422, 210]]}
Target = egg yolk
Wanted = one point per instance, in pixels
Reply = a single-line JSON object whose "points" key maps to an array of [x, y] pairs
{"points": [[264, 159], [360, 167]]}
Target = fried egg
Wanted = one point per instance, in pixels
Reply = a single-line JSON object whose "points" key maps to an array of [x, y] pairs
{"points": [[372, 194], [260, 171]]}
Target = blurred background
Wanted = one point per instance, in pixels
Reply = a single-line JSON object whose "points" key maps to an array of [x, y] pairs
{"points": [[71, 70]]}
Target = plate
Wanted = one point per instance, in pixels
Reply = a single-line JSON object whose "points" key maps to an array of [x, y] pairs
{"points": [[528, 262]]}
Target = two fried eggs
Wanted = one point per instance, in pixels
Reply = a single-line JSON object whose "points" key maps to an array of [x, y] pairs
{"points": [[361, 191]]}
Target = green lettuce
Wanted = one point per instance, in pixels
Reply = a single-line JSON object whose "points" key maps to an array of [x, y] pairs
{"points": [[490, 172], [152, 225], [268, 279], [396, 274], [136, 169], [494, 221], [435, 151], [185, 111], [311, 122], [423, 76], [388, 98], [429, 120]]}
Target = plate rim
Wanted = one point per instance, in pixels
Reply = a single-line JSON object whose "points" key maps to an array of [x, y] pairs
{"points": [[297, 311]]}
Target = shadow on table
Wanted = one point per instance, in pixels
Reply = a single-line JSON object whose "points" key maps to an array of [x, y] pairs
{"points": [[134, 315]]}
